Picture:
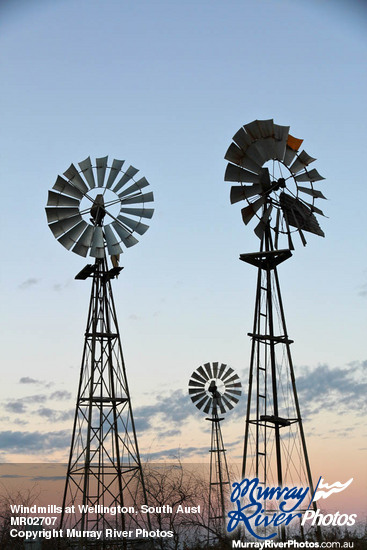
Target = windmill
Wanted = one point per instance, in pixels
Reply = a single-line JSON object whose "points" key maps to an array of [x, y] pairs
{"points": [[215, 389], [278, 188], [96, 210]]}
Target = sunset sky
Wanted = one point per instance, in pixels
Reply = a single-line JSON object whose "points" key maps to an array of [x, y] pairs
{"points": [[166, 85]]}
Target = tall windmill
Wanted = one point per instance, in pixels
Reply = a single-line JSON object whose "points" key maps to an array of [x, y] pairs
{"points": [[278, 188], [215, 389], [95, 210]]}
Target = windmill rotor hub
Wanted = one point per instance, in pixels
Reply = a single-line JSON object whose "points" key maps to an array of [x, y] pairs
{"points": [[98, 211]]}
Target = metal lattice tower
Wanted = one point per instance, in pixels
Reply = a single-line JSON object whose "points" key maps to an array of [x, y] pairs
{"points": [[274, 445], [266, 155], [215, 388], [104, 469]]}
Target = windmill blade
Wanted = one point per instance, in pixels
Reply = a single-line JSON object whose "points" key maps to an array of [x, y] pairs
{"points": [[222, 400], [222, 368], [313, 192], [301, 162], [242, 192], [312, 175], [127, 238], [101, 165], [235, 173], [260, 128], [86, 167], [201, 371], [194, 392], [114, 171], [56, 199], [231, 380], [208, 368], [234, 385], [196, 376], [233, 392], [280, 137], [147, 197], [314, 209], [249, 211], [226, 374], [231, 398], [141, 212], [61, 226], [130, 173], [265, 178], [289, 155], [66, 188], [69, 239], [266, 146], [139, 227], [303, 239], [200, 395], [203, 402], [215, 370], [294, 143], [207, 407], [74, 177], [242, 139], [113, 245], [138, 186], [261, 226], [195, 383], [58, 213], [97, 244], [256, 153], [84, 242], [234, 154]]}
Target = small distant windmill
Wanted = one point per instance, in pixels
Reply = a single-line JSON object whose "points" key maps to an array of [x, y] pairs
{"points": [[215, 389], [265, 155], [94, 211]]}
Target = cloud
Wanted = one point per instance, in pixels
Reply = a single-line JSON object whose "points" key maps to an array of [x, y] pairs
{"points": [[48, 478], [28, 380], [33, 442], [19, 405], [29, 283], [334, 389], [176, 408], [61, 395], [175, 452], [55, 416], [363, 290], [15, 407]]}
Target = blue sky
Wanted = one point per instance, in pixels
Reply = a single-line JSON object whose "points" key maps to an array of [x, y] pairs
{"points": [[166, 85]]}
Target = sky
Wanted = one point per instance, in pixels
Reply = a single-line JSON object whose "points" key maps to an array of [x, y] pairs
{"points": [[165, 85]]}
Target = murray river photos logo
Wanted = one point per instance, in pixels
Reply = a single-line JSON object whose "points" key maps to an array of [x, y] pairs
{"points": [[250, 502]]}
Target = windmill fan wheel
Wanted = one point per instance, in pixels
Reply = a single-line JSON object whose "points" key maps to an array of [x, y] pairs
{"points": [[97, 207], [275, 180], [214, 385]]}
